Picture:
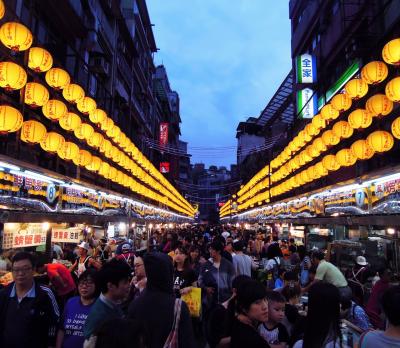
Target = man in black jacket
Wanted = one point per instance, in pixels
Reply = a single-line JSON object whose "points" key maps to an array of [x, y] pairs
{"points": [[28, 311], [155, 306]]}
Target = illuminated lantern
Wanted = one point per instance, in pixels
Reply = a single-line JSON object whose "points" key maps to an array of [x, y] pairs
{"points": [[392, 90], [312, 151], [362, 150], [380, 141], [114, 132], [70, 121], [39, 59], [83, 158], [15, 36], [356, 88], [312, 173], [12, 76], [379, 105], [304, 157], [86, 105], [112, 174], [305, 177], [396, 128], [330, 163], [328, 112], [84, 131], [105, 146], [320, 169], [123, 140], [54, 109], [52, 142], [107, 124], [305, 138], [95, 140], [374, 72], [292, 146], [73, 93], [36, 94], [318, 122], [346, 158], [359, 119], [2, 9], [94, 164], [33, 132], [97, 116], [341, 102], [319, 145], [391, 52], [329, 138], [342, 129], [57, 78], [10, 119], [104, 169], [311, 130], [68, 151]]}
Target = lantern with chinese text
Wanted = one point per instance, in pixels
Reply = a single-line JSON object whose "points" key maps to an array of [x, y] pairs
{"points": [[12, 76], [359, 119], [36, 94], [379, 105], [329, 138], [362, 150], [10, 119], [68, 151], [94, 164], [107, 124], [95, 140], [114, 132], [341, 102], [33, 132], [342, 129], [311, 130], [318, 122], [328, 112], [39, 59], [105, 146], [73, 93], [70, 121], [391, 52], [52, 142], [86, 105], [380, 141], [320, 169], [392, 89], [84, 131], [396, 128], [305, 137], [319, 144], [97, 116], [104, 169], [346, 158], [83, 158], [356, 88], [54, 109], [330, 163], [57, 78], [374, 72], [15, 36]]}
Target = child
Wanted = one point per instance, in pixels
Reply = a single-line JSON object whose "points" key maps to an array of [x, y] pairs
{"points": [[279, 281], [272, 330], [292, 294]]}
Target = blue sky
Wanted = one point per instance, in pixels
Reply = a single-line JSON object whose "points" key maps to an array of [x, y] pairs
{"points": [[225, 58]]}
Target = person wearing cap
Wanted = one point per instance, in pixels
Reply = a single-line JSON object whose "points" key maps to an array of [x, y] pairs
{"points": [[357, 277], [103, 251], [84, 261], [127, 255]]}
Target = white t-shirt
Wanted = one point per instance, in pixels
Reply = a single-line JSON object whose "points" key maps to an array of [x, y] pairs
{"points": [[225, 234], [299, 344], [272, 262]]}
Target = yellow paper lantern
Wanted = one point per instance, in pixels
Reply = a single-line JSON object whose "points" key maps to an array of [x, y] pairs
{"points": [[73, 93], [107, 124], [15, 36], [112, 174], [346, 158], [341, 102], [320, 169], [329, 138], [359, 119], [114, 132], [312, 151], [94, 164], [362, 150], [36, 94], [12, 76], [379, 105], [391, 52], [318, 122], [328, 112], [319, 145], [374, 72], [57, 78], [33, 132], [54, 109], [10, 119], [330, 163], [84, 131], [380, 141], [356, 88], [104, 169], [97, 116], [105, 146], [70, 121], [39, 59], [342, 129], [396, 128], [68, 151], [95, 140], [311, 130], [86, 105], [305, 157], [83, 158], [312, 173], [392, 89], [2, 9], [52, 142], [305, 138]]}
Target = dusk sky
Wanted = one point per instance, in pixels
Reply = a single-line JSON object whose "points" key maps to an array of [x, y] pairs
{"points": [[225, 58]]}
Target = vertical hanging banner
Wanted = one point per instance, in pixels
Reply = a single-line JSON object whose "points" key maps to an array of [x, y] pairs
{"points": [[164, 167], [306, 68], [163, 134], [307, 103]]}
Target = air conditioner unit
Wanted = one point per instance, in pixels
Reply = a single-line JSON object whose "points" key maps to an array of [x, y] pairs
{"points": [[100, 65]]}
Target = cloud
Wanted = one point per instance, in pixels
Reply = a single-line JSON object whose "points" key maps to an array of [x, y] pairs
{"points": [[225, 58]]}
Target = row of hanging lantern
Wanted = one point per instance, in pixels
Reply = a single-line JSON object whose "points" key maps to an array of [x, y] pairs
{"points": [[378, 105], [13, 77]]}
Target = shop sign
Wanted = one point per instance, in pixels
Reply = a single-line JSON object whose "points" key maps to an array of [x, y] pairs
{"points": [[19, 235], [164, 167], [386, 197], [306, 69], [163, 134], [66, 235], [306, 103], [355, 201]]}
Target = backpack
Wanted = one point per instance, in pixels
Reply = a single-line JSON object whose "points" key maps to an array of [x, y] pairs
{"points": [[273, 274]]}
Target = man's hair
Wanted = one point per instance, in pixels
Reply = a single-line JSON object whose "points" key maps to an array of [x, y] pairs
{"points": [[291, 291], [238, 246], [23, 255], [217, 246], [318, 254], [391, 305], [291, 276], [275, 296], [113, 272], [313, 269]]}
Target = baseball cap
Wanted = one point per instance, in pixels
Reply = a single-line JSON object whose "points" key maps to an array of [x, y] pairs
{"points": [[84, 245], [361, 260]]}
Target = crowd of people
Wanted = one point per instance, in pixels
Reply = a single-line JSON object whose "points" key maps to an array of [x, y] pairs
{"points": [[194, 287]]}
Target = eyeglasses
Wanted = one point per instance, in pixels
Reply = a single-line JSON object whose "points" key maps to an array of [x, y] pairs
{"points": [[86, 283], [137, 265], [22, 270]]}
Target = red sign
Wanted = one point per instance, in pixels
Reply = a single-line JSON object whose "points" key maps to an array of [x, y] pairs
{"points": [[163, 134], [220, 204], [164, 167]]}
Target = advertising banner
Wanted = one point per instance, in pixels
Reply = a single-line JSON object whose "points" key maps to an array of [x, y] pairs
{"points": [[19, 235], [306, 69], [66, 235], [164, 167], [163, 134]]}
